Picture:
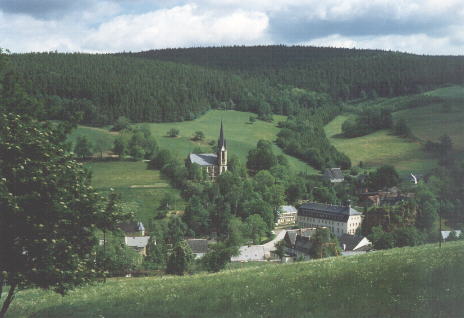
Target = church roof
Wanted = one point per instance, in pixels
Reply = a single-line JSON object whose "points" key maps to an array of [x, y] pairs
{"points": [[203, 159]]}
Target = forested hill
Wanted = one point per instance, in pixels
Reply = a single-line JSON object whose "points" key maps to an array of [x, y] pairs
{"points": [[343, 73], [104, 87]]}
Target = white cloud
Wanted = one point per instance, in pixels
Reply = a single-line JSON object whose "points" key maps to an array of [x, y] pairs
{"points": [[415, 43], [421, 26], [178, 27]]}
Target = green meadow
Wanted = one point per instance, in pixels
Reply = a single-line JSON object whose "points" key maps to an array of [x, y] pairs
{"points": [[141, 189], [432, 121], [380, 148], [241, 135], [424, 281], [426, 123]]}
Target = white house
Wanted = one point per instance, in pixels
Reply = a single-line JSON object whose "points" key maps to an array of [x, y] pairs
{"points": [[199, 247], [339, 219], [286, 215], [138, 243]]}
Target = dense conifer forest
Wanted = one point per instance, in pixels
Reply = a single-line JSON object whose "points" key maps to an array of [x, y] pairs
{"points": [[305, 83]]}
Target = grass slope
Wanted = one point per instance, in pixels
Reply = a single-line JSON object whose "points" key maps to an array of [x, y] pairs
{"points": [[380, 148], [431, 122], [421, 282], [141, 189], [240, 134]]}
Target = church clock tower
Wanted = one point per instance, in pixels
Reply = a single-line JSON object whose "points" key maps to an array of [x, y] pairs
{"points": [[222, 152]]}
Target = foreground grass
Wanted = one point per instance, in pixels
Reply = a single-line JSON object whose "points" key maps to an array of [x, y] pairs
{"points": [[141, 189], [409, 282], [380, 148]]}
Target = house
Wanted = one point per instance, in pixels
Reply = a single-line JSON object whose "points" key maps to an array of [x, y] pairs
{"points": [[250, 253], [339, 219], [302, 249], [213, 163], [334, 175], [138, 243], [290, 240], [354, 244], [199, 247], [286, 215], [446, 234]]}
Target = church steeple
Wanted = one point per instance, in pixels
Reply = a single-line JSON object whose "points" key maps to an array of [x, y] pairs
{"points": [[221, 140], [222, 151]]}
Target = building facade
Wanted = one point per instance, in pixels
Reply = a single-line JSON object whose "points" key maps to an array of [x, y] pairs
{"points": [[339, 219], [286, 215], [213, 163]]}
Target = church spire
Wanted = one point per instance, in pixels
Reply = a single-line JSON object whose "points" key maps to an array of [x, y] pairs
{"points": [[221, 140]]}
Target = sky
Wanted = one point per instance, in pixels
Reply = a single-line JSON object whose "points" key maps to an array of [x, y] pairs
{"points": [[415, 26]]}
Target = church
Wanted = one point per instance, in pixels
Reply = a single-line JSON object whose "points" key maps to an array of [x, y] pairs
{"points": [[213, 163]]}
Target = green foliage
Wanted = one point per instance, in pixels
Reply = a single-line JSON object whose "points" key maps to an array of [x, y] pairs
{"points": [[383, 177], [179, 259], [49, 213], [304, 136], [115, 258], [198, 136], [218, 256], [83, 147], [402, 129], [256, 228], [261, 158], [121, 123], [173, 132], [324, 244], [368, 121]]}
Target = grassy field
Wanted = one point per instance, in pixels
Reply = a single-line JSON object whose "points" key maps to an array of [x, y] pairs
{"points": [[426, 123], [380, 148], [94, 135], [431, 122], [241, 136], [421, 282], [141, 189]]}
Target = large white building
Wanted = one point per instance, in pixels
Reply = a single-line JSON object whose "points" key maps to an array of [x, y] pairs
{"points": [[339, 219]]}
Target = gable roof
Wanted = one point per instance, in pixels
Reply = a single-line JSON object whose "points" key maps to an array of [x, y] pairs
{"points": [[136, 241], [328, 208], [291, 235], [198, 245], [334, 173], [203, 159], [303, 244], [132, 226], [351, 242], [287, 209], [250, 253]]}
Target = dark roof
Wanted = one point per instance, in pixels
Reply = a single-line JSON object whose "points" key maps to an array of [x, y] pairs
{"points": [[203, 159], [291, 235], [221, 140], [132, 226], [334, 173], [198, 245], [328, 208], [351, 241], [303, 244]]}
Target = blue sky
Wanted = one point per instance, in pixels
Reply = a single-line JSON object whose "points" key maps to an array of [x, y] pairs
{"points": [[416, 26]]}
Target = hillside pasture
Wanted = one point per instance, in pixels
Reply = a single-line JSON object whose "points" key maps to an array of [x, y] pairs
{"points": [[432, 121], [380, 148], [241, 135], [141, 189], [424, 281]]}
